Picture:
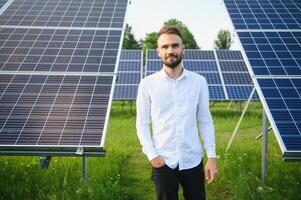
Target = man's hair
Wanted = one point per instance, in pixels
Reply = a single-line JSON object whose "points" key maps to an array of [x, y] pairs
{"points": [[170, 30]]}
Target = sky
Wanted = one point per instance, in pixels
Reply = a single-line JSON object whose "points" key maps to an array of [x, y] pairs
{"points": [[204, 18]]}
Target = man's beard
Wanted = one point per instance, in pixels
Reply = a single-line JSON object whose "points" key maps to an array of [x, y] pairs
{"points": [[174, 63]]}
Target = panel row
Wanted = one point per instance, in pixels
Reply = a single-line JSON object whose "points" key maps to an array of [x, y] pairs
{"points": [[53, 110]]}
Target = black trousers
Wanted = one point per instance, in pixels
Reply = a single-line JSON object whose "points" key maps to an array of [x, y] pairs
{"points": [[167, 181]]}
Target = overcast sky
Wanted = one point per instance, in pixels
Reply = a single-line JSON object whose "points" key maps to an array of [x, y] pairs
{"points": [[204, 18]]}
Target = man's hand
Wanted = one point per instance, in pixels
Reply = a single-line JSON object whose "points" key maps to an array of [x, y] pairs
{"points": [[158, 162], [210, 170]]}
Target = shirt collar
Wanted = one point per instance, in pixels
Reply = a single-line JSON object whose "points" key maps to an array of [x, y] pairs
{"points": [[163, 74]]}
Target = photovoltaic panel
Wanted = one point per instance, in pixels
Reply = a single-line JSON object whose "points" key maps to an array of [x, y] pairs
{"points": [[240, 92], [237, 78], [133, 55], [228, 55], [129, 75], [269, 32], [24, 49], [53, 111], [283, 99], [192, 54], [264, 14], [2, 2], [235, 74], [125, 92], [273, 53], [233, 66], [65, 13], [129, 78], [57, 74]]}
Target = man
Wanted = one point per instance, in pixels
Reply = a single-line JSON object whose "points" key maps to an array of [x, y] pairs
{"points": [[173, 101]]}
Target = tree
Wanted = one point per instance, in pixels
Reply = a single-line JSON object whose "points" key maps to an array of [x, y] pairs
{"points": [[129, 41], [188, 37], [223, 40], [150, 41]]}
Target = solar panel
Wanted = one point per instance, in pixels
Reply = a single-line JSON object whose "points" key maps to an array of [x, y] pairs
{"points": [[235, 74], [51, 110], [264, 14], [2, 2], [57, 74], [269, 32], [65, 13], [125, 92], [283, 99], [129, 75], [273, 53], [24, 49]]}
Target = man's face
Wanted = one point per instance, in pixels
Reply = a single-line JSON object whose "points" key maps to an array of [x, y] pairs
{"points": [[170, 49]]}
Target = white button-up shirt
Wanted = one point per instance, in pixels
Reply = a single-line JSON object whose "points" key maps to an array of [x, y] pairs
{"points": [[173, 108]]}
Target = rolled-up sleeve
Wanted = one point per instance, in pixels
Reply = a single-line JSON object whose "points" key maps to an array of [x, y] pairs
{"points": [[205, 121], [143, 120]]}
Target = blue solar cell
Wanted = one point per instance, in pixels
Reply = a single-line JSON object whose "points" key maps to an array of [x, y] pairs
{"points": [[128, 78], [125, 92], [264, 14], [228, 55], [212, 78], [237, 78], [273, 56], [283, 98], [198, 55], [58, 50], [234, 66], [152, 54], [131, 55], [129, 65], [216, 92], [240, 92], [154, 65], [63, 13], [53, 110], [2, 2], [200, 65], [129, 72]]}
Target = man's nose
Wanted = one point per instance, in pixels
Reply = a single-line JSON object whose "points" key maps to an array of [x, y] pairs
{"points": [[170, 50]]}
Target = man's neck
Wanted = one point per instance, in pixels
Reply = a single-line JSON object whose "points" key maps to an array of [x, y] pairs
{"points": [[173, 73]]}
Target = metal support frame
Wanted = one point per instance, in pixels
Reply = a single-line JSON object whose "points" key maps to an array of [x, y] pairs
{"points": [[229, 104], [240, 120], [44, 162], [264, 147], [85, 169]]}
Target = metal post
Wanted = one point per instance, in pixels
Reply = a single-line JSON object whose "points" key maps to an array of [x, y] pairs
{"points": [[229, 105], [85, 174], [264, 148]]}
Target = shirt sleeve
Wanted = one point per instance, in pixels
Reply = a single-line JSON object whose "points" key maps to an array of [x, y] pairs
{"points": [[143, 120], [205, 120]]}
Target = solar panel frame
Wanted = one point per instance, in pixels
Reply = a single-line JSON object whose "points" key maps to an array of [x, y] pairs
{"points": [[127, 89], [288, 155], [72, 150], [62, 96]]}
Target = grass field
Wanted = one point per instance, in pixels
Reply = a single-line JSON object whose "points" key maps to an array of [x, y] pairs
{"points": [[124, 173]]}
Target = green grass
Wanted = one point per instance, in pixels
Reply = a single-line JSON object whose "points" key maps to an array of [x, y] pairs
{"points": [[124, 173]]}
